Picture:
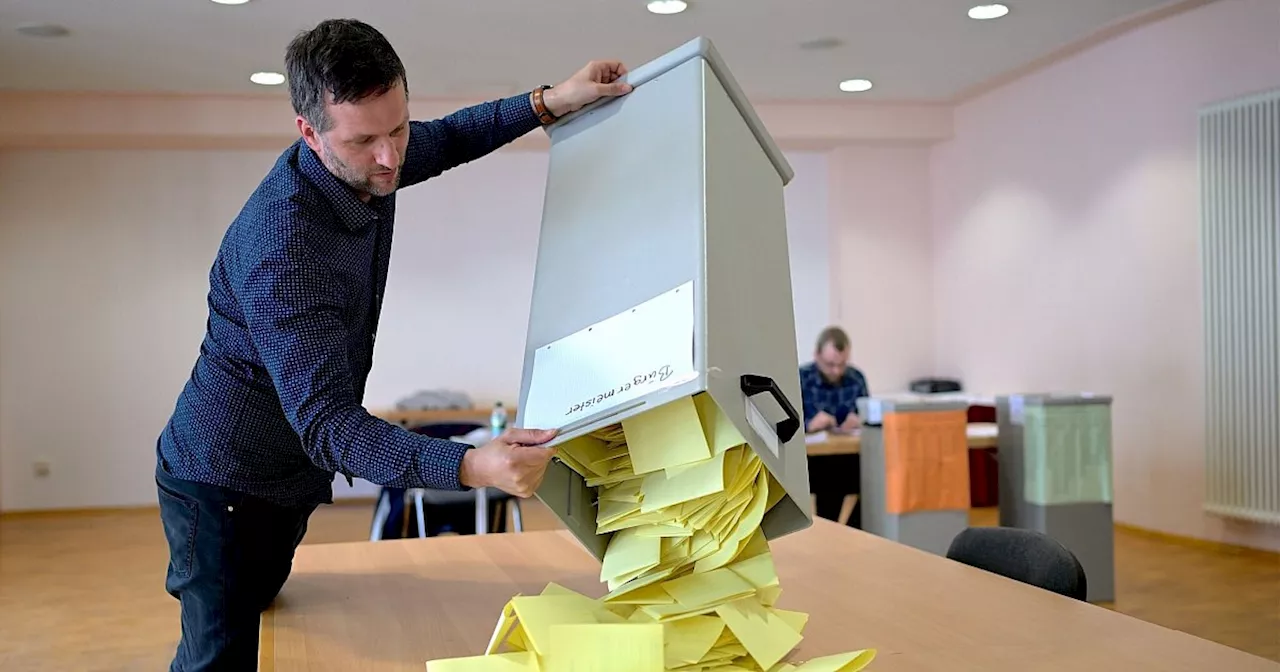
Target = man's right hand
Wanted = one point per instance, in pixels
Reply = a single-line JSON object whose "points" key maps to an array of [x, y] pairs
{"points": [[514, 462], [821, 421]]}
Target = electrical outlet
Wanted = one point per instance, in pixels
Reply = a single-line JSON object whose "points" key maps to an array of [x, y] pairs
{"points": [[41, 469]]}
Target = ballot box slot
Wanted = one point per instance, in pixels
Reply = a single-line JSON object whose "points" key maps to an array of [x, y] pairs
{"points": [[593, 421]]}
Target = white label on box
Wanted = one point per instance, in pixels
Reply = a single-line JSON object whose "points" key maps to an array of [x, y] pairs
{"points": [[767, 431], [631, 354], [1015, 409]]}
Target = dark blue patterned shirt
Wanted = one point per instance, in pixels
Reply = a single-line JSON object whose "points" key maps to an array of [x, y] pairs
{"points": [[837, 400], [273, 405]]}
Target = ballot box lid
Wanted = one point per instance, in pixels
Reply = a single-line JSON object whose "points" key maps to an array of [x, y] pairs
{"points": [[700, 48], [873, 409], [1056, 399]]}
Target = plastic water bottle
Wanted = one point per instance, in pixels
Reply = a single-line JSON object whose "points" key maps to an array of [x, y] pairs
{"points": [[498, 419]]}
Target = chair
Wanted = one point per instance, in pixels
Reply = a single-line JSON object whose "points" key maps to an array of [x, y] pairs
{"points": [[981, 413], [390, 504], [1027, 556], [984, 465]]}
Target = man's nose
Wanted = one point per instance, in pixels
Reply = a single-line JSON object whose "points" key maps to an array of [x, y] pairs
{"points": [[387, 156]]}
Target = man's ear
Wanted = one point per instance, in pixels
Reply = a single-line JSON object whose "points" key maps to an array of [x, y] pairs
{"points": [[308, 133]]}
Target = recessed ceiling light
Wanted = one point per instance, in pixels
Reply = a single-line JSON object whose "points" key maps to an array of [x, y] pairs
{"points": [[267, 78], [667, 6], [855, 85], [231, 2], [984, 12], [43, 30]]}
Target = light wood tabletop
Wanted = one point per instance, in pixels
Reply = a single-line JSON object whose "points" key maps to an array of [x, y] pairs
{"points": [[393, 605]]}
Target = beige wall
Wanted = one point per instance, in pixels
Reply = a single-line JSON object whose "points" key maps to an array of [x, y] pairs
{"points": [[882, 263], [1044, 237], [1067, 252], [104, 257]]}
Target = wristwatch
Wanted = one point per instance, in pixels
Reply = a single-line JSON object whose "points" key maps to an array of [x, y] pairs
{"points": [[540, 106]]}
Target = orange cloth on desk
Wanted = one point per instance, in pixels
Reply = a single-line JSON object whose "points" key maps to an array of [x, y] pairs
{"points": [[926, 461]]}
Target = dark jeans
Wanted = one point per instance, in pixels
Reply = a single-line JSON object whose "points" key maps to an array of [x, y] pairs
{"points": [[229, 554], [831, 478]]}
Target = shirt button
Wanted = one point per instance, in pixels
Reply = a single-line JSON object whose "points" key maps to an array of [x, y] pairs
{"points": [[230, 508]]}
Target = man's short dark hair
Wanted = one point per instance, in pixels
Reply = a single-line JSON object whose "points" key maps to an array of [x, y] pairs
{"points": [[339, 61], [834, 336]]}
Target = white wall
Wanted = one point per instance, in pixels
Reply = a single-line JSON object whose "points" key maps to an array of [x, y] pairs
{"points": [[882, 262], [808, 241], [104, 259], [1067, 254]]}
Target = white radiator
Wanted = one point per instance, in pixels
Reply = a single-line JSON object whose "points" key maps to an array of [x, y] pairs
{"points": [[1240, 239]]}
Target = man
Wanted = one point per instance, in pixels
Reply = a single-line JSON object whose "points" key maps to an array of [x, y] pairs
{"points": [[272, 409], [830, 388]]}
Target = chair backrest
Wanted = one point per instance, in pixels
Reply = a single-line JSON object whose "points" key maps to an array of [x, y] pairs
{"points": [[448, 430], [982, 414], [1028, 556]]}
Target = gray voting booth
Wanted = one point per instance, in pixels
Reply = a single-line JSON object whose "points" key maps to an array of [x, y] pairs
{"points": [[915, 476], [1055, 476], [662, 272]]}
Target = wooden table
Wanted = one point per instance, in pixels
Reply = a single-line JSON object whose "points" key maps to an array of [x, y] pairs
{"points": [[981, 435], [414, 418], [392, 605]]}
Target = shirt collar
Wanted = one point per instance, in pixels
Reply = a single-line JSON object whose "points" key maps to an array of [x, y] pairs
{"points": [[845, 379], [353, 212]]}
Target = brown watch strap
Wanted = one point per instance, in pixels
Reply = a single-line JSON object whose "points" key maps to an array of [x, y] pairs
{"points": [[540, 106]]}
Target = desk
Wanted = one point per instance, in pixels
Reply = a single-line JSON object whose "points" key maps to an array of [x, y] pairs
{"points": [[393, 605], [418, 417], [981, 435]]}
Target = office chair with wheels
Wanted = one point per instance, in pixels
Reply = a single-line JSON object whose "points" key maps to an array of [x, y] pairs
{"points": [[1027, 556]]}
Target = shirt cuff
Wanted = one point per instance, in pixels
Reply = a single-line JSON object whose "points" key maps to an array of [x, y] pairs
{"points": [[440, 464], [517, 112]]}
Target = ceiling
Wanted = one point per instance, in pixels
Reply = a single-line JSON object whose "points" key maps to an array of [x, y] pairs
{"points": [[926, 50]]}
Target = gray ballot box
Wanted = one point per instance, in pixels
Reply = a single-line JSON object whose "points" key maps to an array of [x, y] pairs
{"points": [[915, 470], [1055, 476], [662, 273]]}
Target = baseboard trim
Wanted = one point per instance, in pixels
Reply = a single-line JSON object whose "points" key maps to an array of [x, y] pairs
{"points": [[79, 512], [1219, 546], [137, 509]]}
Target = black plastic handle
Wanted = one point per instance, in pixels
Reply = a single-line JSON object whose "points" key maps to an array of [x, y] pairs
{"points": [[753, 384]]}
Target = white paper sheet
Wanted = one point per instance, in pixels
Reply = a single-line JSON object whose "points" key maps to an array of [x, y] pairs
{"points": [[619, 359]]}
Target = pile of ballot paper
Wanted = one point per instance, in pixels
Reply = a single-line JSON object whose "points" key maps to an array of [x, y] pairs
{"points": [[692, 584]]}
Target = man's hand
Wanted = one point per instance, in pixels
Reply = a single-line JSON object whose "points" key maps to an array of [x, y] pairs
{"points": [[597, 80], [514, 462], [821, 421], [851, 422]]}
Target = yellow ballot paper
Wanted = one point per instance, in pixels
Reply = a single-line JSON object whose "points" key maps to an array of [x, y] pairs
{"points": [[692, 583], [628, 647], [519, 661], [841, 662]]}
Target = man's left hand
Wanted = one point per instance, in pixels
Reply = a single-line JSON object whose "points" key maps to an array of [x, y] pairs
{"points": [[596, 80], [851, 422]]}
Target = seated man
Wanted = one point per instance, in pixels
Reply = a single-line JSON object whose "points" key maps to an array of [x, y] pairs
{"points": [[830, 389]]}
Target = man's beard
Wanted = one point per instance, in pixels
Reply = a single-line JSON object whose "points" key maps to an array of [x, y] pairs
{"points": [[353, 179]]}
